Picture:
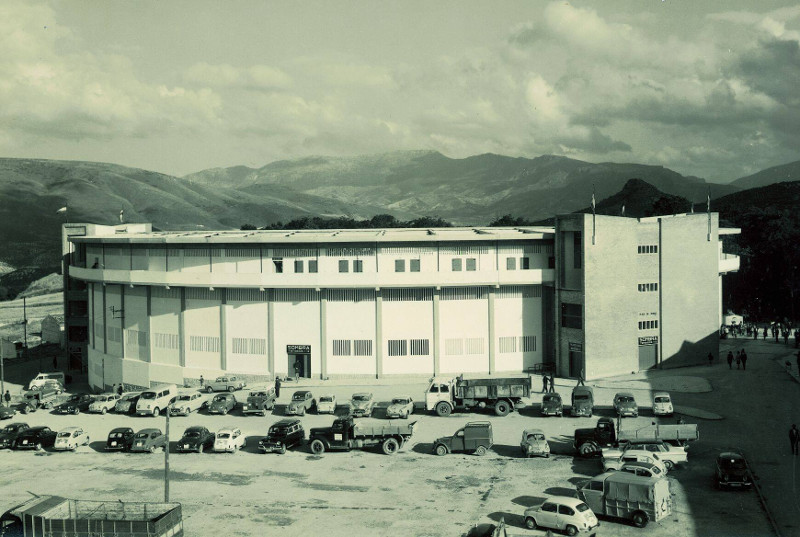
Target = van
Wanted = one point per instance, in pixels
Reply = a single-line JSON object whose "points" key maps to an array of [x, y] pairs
{"points": [[42, 378], [156, 400], [582, 401], [475, 437], [662, 404], [636, 498]]}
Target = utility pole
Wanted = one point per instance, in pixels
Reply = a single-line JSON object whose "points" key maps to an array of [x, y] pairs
{"points": [[25, 331], [2, 372], [166, 459]]}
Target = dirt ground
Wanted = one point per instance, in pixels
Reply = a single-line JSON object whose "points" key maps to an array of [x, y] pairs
{"points": [[36, 309]]}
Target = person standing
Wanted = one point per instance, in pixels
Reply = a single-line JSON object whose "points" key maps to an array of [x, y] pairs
{"points": [[710, 359], [277, 387], [794, 438], [730, 360], [743, 357], [7, 395], [755, 332], [545, 382], [202, 381], [797, 338], [120, 390], [552, 382], [581, 379], [738, 359], [765, 333], [786, 336], [114, 388], [55, 362], [296, 371]]}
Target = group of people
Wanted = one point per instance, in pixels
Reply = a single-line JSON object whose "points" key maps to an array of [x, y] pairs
{"points": [[778, 329], [741, 359], [118, 389], [548, 383]]}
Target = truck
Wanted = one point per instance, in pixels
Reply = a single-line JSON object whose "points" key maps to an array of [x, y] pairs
{"points": [[589, 442], [636, 498], [444, 395], [43, 516], [346, 434]]}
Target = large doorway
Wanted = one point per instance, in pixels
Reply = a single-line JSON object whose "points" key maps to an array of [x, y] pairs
{"points": [[575, 363], [299, 365], [648, 356]]}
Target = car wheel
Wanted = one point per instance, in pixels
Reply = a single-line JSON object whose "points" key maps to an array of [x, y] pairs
{"points": [[480, 451], [639, 519], [405, 416], [87, 441], [209, 389], [76, 411], [317, 447], [502, 408], [546, 455], [530, 523], [588, 449], [303, 411], [440, 450], [224, 411], [38, 446], [572, 530], [231, 389], [103, 411], [670, 465], [200, 448], [443, 409], [152, 449], [390, 446], [282, 449]]}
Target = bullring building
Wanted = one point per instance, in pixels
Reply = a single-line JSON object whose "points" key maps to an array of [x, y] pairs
{"points": [[603, 295]]}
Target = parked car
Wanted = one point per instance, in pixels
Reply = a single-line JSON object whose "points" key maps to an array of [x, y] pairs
{"points": [[156, 400], [612, 462], [148, 440], [35, 438], [225, 384], [400, 407], [732, 471], [186, 403], [260, 400], [552, 405], [282, 435], [126, 404], [582, 401], [75, 404], [326, 404], [647, 469], [625, 405], [229, 440], [43, 378], [119, 439], [670, 455], [222, 404], [362, 405], [69, 438], [301, 402], [662, 404], [563, 513], [196, 438], [474, 437], [534, 443], [7, 412], [104, 402], [9, 434]]}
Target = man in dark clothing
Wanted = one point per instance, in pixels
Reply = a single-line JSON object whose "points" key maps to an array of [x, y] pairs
{"points": [[545, 382], [552, 383], [730, 360], [55, 362], [202, 381], [7, 395], [710, 359], [581, 379], [794, 438], [765, 333], [277, 387], [744, 360], [120, 389]]}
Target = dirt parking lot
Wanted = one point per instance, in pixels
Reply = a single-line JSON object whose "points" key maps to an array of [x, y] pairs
{"points": [[413, 493]]}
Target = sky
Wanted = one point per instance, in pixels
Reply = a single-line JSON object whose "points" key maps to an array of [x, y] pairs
{"points": [[710, 89]]}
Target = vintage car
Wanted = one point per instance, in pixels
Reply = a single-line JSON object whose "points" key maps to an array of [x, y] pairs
{"points": [[326, 404], [222, 404], [662, 404], [196, 438], [260, 400], [104, 402], [612, 462], [75, 404], [563, 513], [35, 438], [552, 405], [9, 434], [7, 412], [302, 401], [69, 438], [44, 397], [732, 471], [668, 454], [126, 404], [625, 405], [186, 403], [148, 440], [282, 435], [225, 384], [119, 439], [647, 469], [400, 407], [534, 443], [475, 437], [362, 405], [229, 440]]}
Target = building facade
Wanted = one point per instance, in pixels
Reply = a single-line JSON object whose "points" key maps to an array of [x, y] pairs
{"points": [[171, 306]]}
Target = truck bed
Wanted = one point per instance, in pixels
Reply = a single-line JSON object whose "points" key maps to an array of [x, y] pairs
{"points": [[381, 429], [687, 431]]}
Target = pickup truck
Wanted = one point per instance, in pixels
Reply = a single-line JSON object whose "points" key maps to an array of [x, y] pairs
{"points": [[590, 442], [345, 434]]}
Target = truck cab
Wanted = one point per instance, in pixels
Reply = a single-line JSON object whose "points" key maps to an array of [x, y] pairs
{"points": [[439, 390], [474, 437]]}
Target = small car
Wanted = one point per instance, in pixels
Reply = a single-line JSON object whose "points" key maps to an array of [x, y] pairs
{"points": [[260, 400], [732, 471], [229, 440], [647, 469], [611, 463], [552, 405], [9, 434], [582, 401], [195, 438], [362, 404], [302, 401], [326, 404], [225, 384], [104, 402], [69, 438], [282, 435], [534, 443], [670, 455], [475, 437], [35, 438], [7, 412], [126, 404], [119, 439], [222, 404], [662, 404], [187, 403], [75, 404], [148, 440], [625, 405], [562, 513], [400, 407]]}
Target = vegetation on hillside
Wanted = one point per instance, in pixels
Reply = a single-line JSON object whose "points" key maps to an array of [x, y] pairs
{"points": [[346, 222]]}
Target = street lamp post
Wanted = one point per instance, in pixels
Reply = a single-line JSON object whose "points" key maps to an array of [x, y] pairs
{"points": [[166, 460]]}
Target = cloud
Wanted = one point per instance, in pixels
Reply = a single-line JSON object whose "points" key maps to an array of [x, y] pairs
{"points": [[256, 77]]}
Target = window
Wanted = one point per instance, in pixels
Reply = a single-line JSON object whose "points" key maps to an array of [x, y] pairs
{"points": [[277, 262], [571, 316], [344, 265], [596, 485], [551, 262], [298, 266], [472, 264], [549, 507], [358, 265], [511, 263], [312, 265], [474, 345], [648, 325], [453, 347], [398, 347], [414, 265], [399, 265], [525, 263], [565, 510], [341, 347], [647, 287], [508, 344], [527, 343], [456, 265], [576, 250], [362, 347], [648, 249], [420, 347]]}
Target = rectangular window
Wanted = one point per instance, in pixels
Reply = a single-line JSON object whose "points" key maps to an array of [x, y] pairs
{"points": [[312, 265], [456, 265], [298, 266], [474, 345], [398, 347], [453, 347], [647, 287], [472, 264], [358, 265], [166, 341], [551, 262], [277, 262], [257, 345], [414, 265], [399, 265], [571, 316], [511, 263], [341, 347], [362, 347], [527, 343], [509, 343], [344, 265], [420, 347], [576, 249], [648, 325], [525, 263], [647, 249], [239, 345]]}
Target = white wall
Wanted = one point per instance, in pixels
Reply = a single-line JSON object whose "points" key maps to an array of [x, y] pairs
{"points": [[517, 317], [463, 320], [407, 320], [202, 320], [247, 320], [136, 323], [351, 321], [297, 323], [114, 320], [165, 309]]}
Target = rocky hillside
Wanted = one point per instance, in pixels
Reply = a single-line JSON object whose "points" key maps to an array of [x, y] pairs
{"points": [[777, 174]]}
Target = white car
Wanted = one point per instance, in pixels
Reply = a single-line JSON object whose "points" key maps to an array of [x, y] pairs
{"points": [[229, 439], [616, 463], [326, 404], [70, 438], [400, 407], [662, 404], [104, 403], [670, 455], [562, 513], [188, 403], [225, 384], [645, 469]]}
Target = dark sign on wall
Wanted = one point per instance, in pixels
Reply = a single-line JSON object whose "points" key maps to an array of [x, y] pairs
{"points": [[575, 347], [648, 340], [298, 349]]}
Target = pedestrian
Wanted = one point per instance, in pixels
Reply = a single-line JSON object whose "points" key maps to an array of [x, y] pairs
{"points": [[55, 362], [545, 380], [733, 329], [755, 332], [202, 381], [794, 438], [552, 382], [581, 379], [297, 372], [277, 387], [114, 388], [765, 333], [798, 363], [744, 360], [7, 395], [730, 360], [710, 359], [786, 336], [738, 359], [797, 338]]}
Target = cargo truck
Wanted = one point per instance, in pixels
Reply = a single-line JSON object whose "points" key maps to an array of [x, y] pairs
{"points": [[501, 394], [636, 498], [346, 434], [45, 516], [589, 442]]}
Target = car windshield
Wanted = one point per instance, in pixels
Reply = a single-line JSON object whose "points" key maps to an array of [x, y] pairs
{"points": [[278, 429], [298, 397], [185, 398], [536, 436], [219, 398], [581, 507], [662, 399], [625, 399], [361, 398], [74, 398], [9, 428], [552, 398], [258, 394], [326, 399], [223, 435], [149, 395], [102, 398], [734, 463], [65, 434], [191, 434], [115, 435], [141, 435], [581, 397], [399, 401]]}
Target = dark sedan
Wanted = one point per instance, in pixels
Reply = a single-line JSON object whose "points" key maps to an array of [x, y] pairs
{"points": [[36, 438], [195, 438], [222, 404], [732, 471], [75, 404], [149, 440], [120, 439], [552, 405], [9, 434], [7, 412]]}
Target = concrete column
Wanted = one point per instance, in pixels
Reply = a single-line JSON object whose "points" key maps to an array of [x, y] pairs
{"points": [[182, 329], [271, 332], [223, 347], [122, 321], [378, 333], [323, 334], [492, 368], [105, 323], [436, 330], [149, 353]]}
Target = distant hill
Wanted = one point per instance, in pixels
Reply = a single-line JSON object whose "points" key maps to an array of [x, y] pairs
{"points": [[52, 283], [777, 174], [775, 197]]}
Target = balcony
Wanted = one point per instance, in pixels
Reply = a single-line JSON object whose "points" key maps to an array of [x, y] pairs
{"points": [[728, 263]]}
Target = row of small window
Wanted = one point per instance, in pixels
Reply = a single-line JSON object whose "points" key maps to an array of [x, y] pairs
{"points": [[356, 347], [648, 248], [648, 325], [300, 265], [648, 287]]}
